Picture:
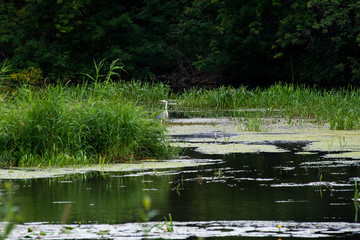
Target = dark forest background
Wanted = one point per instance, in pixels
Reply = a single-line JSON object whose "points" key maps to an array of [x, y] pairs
{"points": [[200, 42]]}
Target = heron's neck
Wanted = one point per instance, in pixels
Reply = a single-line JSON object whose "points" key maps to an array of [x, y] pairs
{"points": [[165, 105]]}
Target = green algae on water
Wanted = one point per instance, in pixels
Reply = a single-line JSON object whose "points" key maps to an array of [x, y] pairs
{"points": [[225, 136], [28, 173]]}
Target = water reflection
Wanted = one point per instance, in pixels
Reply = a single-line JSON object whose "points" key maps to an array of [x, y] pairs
{"points": [[265, 186]]}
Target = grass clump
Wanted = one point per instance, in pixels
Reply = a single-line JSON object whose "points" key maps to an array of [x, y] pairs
{"points": [[4, 71], [255, 124], [60, 126], [340, 108], [111, 122]]}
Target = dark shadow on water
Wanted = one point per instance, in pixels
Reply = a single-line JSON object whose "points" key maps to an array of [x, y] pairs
{"points": [[260, 186]]}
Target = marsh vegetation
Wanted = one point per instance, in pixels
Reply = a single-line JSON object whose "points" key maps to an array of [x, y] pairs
{"points": [[93, 123], [339, 108], [246, 159], [114, 122], [253, 155]]}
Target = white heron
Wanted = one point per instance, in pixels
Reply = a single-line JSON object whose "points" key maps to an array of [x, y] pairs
{"points": [[164, 115]]}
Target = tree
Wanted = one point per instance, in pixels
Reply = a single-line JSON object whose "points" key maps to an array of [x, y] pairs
{"points": [[188, 42], [321, 39]]}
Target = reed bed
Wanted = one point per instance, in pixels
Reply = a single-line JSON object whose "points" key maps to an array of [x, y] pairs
{"points": [[93, 123], [113, 122], [340, 108]]}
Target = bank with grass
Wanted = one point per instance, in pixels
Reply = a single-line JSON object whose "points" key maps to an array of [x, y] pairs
{"points": [[115, 122], [56, 126]]}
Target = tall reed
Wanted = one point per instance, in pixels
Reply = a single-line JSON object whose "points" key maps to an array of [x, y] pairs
{"points": [[77, 125], [340, 108], [61, 125]]}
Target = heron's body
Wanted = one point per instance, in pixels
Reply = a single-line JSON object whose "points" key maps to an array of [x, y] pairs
{"points": [[165, 114]]}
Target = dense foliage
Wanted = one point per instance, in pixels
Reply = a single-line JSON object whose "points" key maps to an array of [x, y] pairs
{"points": [[187, 42], [91, 123]]}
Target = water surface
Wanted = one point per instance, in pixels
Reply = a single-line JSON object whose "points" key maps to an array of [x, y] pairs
{"points": [[242, 190]]}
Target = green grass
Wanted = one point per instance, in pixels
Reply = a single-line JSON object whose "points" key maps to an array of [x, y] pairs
{"points": [[113, 122], [339, 108], [58, 126], [4, 71], [254, 124]]}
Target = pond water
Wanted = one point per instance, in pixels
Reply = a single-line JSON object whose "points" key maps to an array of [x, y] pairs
{"points": [[281, 195]]}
